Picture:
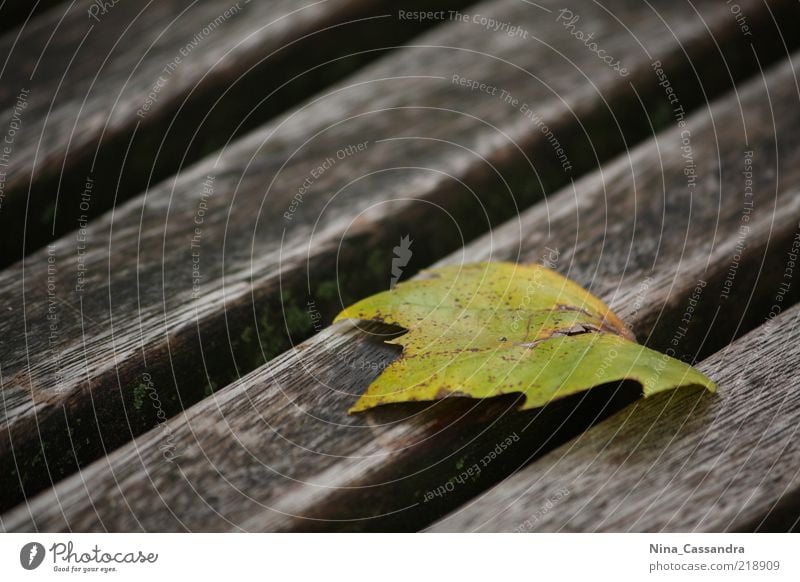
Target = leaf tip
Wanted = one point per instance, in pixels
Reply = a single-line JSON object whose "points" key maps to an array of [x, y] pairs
{"points": [[361, 405]]}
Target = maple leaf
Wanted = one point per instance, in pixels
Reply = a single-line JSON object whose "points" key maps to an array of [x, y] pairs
{"points": [[484, 329]]}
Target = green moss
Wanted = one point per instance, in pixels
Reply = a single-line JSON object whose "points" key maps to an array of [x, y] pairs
{"points": [[662, 116], [297, 320], [377, 263], [272, 340], [139, 394], [209, 388], [247, 337], [37, 459], [48, 212], [247, 349], [276, 329], [328, 291]]}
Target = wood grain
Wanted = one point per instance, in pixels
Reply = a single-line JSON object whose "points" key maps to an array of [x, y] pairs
{"points": [[128, 94], [276, 450], [684, 462], [203, 277]]}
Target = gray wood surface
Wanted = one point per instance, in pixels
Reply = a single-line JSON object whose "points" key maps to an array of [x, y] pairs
{"points": [[14, 14], [204, 277], [684, 462], [127, 94], [276, 450]]}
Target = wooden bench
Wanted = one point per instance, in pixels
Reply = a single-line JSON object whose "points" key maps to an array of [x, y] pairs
{"points": [[268, 446], [120, 97], [683, 462]]}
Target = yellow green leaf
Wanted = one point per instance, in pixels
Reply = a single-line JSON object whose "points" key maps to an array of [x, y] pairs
{"points": [[485, 329]]}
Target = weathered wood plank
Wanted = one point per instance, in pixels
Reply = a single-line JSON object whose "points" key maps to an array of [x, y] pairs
{"points": [[123, 95], [684, 462], [149, 290], [276, 450]]}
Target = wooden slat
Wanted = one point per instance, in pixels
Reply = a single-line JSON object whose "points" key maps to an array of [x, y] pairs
{"points": [[50, 399], [125, 302], [124, 95], [683, 462], [277, 450]]}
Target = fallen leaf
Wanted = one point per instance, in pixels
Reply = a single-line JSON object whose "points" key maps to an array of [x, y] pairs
{"points": [[484, 329]]}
